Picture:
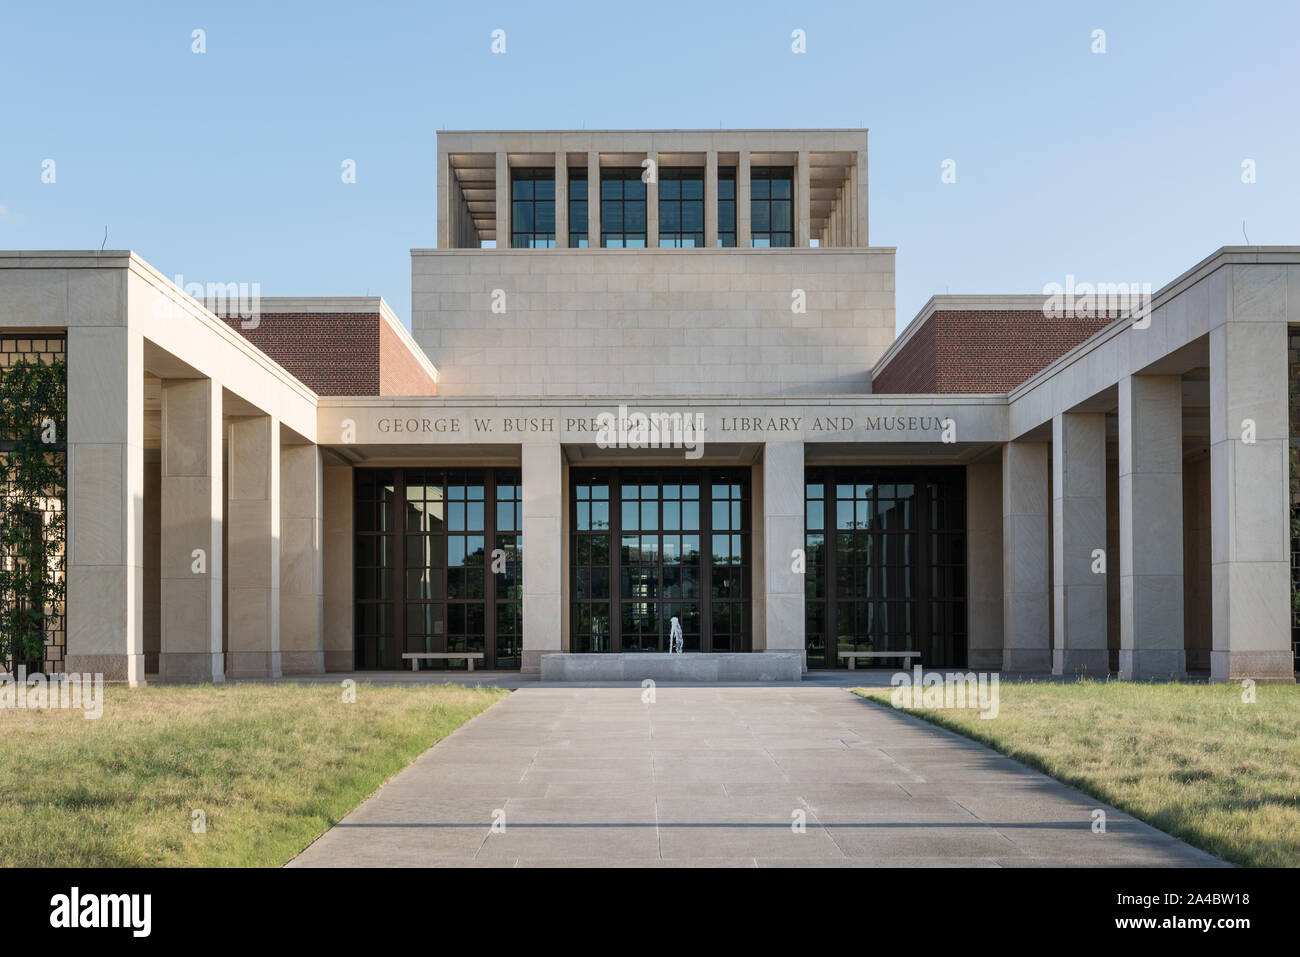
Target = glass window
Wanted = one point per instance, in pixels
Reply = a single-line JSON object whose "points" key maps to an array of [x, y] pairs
{"points": [[426, 584], [662, 559], [577, 209], [771, 206], [590, 553], [532, 208], [726, 205], [886, 571], [622, 208], [374, 569], [681, 208]]}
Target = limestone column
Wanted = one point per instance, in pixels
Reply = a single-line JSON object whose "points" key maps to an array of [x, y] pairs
{"points": [[1249, 500], [253, 544], [1151, 527], [302, 637], [1079, 530], [844, 235], [338, 550], [561, 200], [593, 200], [711, 199], [847, 221], [844, 212], [803, 200], [192, 515], [105, 503], [984, 566], [543, 495], [652, 203], [845, 206], [783, 534], [859, 217], [503, 197], [446, 213], [1026, 625], [744, 238]]}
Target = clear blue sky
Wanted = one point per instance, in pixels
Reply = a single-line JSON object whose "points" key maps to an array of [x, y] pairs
{"points": [[225, 167]]}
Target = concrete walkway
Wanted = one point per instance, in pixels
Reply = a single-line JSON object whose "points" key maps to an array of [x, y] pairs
{"points": [[715, 776]]}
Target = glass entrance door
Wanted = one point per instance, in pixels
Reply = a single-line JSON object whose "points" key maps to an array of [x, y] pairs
{"points": [[886, 570], [650, 545], [438, 566]]}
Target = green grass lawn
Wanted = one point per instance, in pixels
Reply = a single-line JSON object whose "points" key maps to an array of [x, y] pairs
{"points": [[271, 766], [1192, 760]]}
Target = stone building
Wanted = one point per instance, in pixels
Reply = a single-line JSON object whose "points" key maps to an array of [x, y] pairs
{"points": [[654, 375]]}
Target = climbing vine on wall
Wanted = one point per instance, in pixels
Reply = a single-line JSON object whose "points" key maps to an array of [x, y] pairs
{"points": [[1293, 418], [33, 520]]}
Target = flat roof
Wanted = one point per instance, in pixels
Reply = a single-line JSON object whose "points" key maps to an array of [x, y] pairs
{"points": [[678, 129]]}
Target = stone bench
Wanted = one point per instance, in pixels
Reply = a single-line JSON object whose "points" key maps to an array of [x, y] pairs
{"points": [[415, 657], [907, 657]]}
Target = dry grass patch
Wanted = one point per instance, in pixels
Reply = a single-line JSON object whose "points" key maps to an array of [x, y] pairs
{"points": [[1192, 760], [271, 767]]}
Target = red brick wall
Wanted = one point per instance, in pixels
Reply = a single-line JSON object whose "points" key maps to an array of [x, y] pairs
{"points": [[981, 351], [913, 368], [399, 372], [331, 353]]}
